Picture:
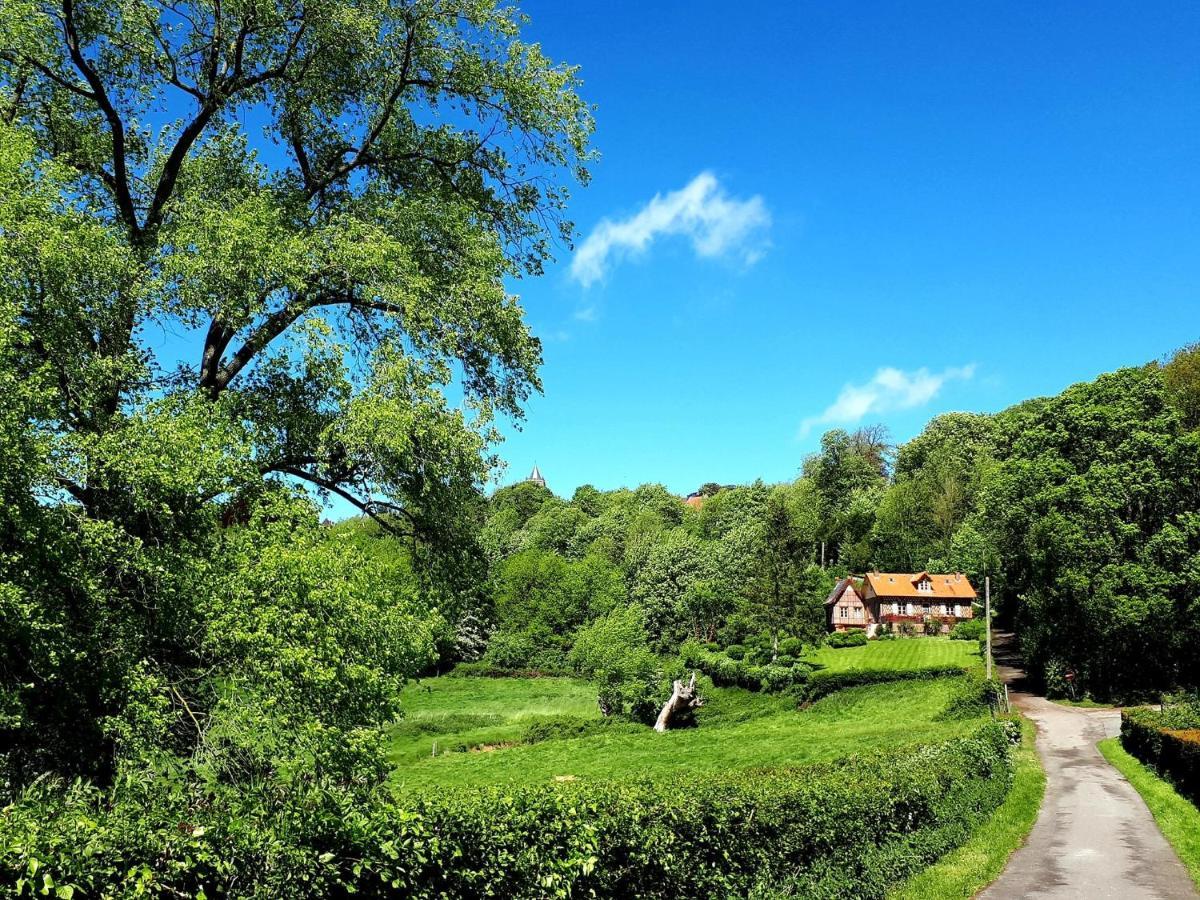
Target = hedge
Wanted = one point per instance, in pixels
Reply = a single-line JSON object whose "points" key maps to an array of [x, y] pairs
{"points": [[1168, 742], [484, 669], [727, 672], [851, 828], [824, 682]]}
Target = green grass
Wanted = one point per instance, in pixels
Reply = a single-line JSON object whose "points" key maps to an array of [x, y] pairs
{"points": [[1177, 817], [737, 729], [902, 653], [1085, 703], [965, 871], [448, 712]]}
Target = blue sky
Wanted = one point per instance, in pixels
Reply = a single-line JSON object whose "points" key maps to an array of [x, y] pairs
{"points": [[873, 213]]}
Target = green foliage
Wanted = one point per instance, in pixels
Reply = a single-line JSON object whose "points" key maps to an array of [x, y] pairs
{"points": [[1167, 741], [791, 646], [1181, 376], [824, 682], [613, 652], [841, 639], [849, 827], [726, 671], [970, 630]]}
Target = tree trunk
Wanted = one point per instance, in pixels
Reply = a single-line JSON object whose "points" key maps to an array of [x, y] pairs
{"points": [[682, 706]]}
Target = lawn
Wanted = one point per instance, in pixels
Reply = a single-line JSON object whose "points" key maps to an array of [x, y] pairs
{"points": [[902, 653], [1178, 817], [477, 725]]}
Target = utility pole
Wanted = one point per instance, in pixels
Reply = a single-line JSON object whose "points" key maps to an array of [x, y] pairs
{"points": [[987, 620]]}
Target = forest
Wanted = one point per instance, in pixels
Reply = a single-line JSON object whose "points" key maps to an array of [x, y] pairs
{"points": [[204, 687], [1080, 508]]}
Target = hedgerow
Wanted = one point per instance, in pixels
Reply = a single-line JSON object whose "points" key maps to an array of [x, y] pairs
{"points": [[824, 682], [848, 828], [727, 672], [1167, 741]]}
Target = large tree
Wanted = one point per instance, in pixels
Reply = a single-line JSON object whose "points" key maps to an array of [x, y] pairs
{"points": [[247, 245], [321, 201]]}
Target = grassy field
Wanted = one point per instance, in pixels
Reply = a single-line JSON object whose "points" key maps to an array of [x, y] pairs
{"points": [[964, 872], [903, 653], [1178, 818], [487, 719]]}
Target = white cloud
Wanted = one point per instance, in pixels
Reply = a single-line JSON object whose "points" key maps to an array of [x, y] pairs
{"points": [[717, 224], [586, 314], [888, 390]]}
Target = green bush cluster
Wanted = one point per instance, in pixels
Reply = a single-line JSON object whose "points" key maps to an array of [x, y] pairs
{"points": [[847, 639], [823, 682], [726, 671], [851, 828], [970, 630], [1168, 742]]}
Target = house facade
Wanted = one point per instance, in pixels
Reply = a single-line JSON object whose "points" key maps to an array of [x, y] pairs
{"points": [[894, 598]]}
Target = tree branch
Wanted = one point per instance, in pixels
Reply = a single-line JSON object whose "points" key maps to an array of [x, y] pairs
{"points": [[115, 126], [368, 507]]}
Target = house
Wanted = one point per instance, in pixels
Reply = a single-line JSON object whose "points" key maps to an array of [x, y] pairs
{"points": [[894, 598]]}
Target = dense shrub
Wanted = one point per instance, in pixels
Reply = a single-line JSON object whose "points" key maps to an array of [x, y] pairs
{"points": [[973, 696], [791, 647], [727, 672], [1167, 741], [970, 630], [484, 669], [847, 639], [851, 828], [823, 682], [735, 651]]}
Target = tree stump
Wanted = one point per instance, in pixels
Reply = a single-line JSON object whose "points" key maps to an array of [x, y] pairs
{"points": [[681, 708]]}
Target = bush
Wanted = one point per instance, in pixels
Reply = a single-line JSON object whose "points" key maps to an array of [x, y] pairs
{"points": [[970, 630], [791, 647], [851, 828], [726, 672], [785, 660], [822, 683], [1168, 742], [839, 639], [974, 696], [735, 651]]}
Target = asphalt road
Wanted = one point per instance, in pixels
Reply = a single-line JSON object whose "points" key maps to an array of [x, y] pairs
{"points": [[1094, 837]]}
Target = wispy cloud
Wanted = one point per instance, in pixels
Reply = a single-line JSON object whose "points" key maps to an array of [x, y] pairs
{"points": [[887, 391], [717, 224], [586, 314]]}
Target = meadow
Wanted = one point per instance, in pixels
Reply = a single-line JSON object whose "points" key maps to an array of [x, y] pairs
{"points": [[475, 731]]}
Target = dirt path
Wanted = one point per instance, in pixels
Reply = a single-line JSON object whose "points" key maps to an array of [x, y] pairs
{"points": [[1094, 837]]}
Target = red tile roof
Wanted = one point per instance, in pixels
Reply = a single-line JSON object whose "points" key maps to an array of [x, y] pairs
{"points": [[953, 586]]}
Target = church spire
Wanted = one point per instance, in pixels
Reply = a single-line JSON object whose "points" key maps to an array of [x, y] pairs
{"points": [[536, 476]]}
